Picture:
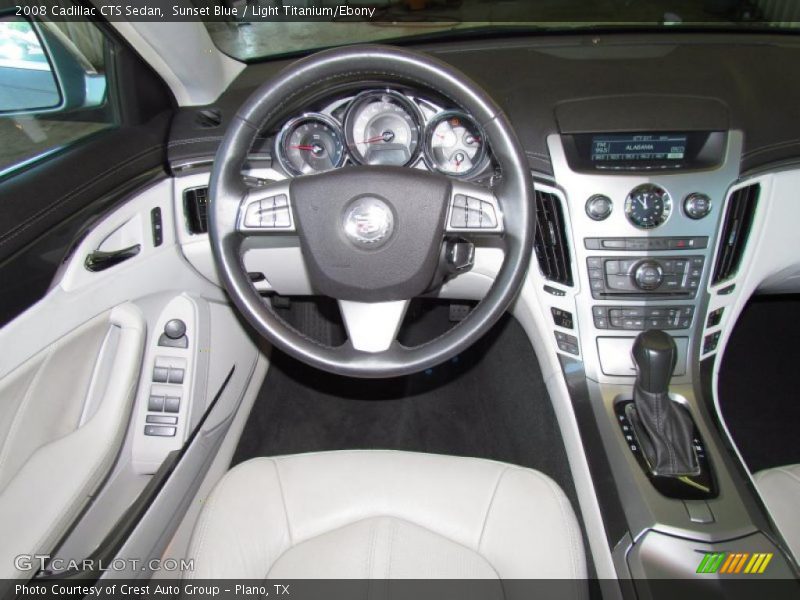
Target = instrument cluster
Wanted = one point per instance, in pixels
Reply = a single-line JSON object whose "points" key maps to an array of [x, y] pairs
{"points": [[383, 127]]}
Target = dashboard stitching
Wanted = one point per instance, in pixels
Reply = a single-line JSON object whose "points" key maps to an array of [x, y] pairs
{"points": [[65, 198], [774, 146]]}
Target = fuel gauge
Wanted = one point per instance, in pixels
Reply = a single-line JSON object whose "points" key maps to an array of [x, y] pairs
{"points": [[454, 144]]}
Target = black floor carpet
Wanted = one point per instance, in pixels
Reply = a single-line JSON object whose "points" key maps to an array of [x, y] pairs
{"points": [[489, 402], [758, 396]]}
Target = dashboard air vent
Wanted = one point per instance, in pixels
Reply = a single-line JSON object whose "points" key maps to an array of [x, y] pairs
{"points": [[195, 204], [550, 241], [735, 229], [208, 118]]}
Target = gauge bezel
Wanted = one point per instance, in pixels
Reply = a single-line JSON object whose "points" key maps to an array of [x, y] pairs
{"points": [[665, 215], [478, 163], [293, 124], [360, 100]]}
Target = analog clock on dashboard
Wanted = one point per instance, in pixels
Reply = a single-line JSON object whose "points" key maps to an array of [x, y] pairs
{"points": [[648, 206]]}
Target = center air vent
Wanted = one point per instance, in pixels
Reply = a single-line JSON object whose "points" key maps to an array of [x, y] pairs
{"points": [[550, 241], [195, 205], [735, 231]]}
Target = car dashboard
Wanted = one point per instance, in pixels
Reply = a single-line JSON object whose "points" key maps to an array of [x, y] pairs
{"points": [[664, 169]]}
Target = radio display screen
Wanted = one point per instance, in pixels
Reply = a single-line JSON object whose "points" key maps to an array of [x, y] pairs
{"points": [[622, 148]]}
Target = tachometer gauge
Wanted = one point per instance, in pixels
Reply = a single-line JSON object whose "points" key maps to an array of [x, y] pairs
{"points": [[454, 144], [383, 128], [310, 144]]}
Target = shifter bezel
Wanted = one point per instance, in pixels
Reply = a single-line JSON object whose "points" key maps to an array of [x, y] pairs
{"points": [[702, 486]]}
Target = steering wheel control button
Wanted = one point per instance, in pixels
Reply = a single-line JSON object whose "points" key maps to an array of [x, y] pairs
{"points": [[272, 213], [599, 207], [697, 205], [155, 403], [160, 374], [172, 404], [468, 213], [368, 222], [160, 430]]}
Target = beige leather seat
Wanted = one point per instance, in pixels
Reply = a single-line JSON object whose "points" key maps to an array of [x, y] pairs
{"points": [[780, 490], [385, 514]]}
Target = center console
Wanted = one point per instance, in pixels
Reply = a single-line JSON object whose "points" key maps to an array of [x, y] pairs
{"points": [[645, 213]]}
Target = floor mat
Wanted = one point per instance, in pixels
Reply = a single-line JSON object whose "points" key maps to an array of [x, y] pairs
{"points": [[489, 402], [757, 393]]}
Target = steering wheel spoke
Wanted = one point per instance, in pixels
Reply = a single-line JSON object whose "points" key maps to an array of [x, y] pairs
{"points": [[372, 326], [473, 210], [267, 209]]}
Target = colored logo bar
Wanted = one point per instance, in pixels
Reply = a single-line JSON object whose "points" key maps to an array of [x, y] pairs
{"points": [[734, 563]]}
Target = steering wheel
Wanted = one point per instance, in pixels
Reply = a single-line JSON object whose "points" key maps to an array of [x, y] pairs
{"points": [[372, 237]]}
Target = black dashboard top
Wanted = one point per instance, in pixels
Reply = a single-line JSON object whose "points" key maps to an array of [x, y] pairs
{"points": [[596, 83]]}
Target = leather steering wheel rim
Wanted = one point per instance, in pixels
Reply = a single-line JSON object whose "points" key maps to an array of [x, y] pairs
{"points": [[312, 75]]}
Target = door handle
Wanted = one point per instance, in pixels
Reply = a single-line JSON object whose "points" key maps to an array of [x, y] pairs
{"points": [[100, 260]]}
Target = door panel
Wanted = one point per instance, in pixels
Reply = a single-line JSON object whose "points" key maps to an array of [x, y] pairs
{"points": [[63, 415], [44, 204]]}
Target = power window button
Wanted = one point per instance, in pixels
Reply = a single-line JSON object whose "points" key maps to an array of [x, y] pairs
{"points": [[172, 404], [176, 375], [160, 374], [155, 404]]}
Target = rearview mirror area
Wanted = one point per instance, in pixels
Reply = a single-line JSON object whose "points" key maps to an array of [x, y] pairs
{"points": [[27, 80]]}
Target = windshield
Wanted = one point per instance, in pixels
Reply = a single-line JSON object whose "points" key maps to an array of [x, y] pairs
{"points": [[265, 28]]}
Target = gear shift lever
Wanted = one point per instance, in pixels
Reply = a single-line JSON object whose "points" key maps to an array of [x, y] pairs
{"points": [[663, 427]]}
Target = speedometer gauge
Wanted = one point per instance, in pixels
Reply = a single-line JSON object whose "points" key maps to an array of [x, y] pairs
{"points": [[383, 128], [309, 144], [454, 144]]}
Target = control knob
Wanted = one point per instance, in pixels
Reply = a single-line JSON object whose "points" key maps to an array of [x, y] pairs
{"points": [[599, 207], [175, 329], [697, 206], [648, 275]]}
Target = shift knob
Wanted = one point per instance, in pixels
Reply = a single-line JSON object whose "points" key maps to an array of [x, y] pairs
{"points": [[654, 354]]}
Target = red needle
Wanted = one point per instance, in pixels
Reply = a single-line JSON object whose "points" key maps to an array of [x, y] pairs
{"points": [[371, 140], [310, 148]]}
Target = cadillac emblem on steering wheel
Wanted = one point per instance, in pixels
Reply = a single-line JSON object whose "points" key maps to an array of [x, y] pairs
{"points": [[368, 222]]}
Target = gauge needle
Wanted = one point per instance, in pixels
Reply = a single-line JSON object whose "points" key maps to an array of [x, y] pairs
{"points": [[386, 136], [315, 149]]}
